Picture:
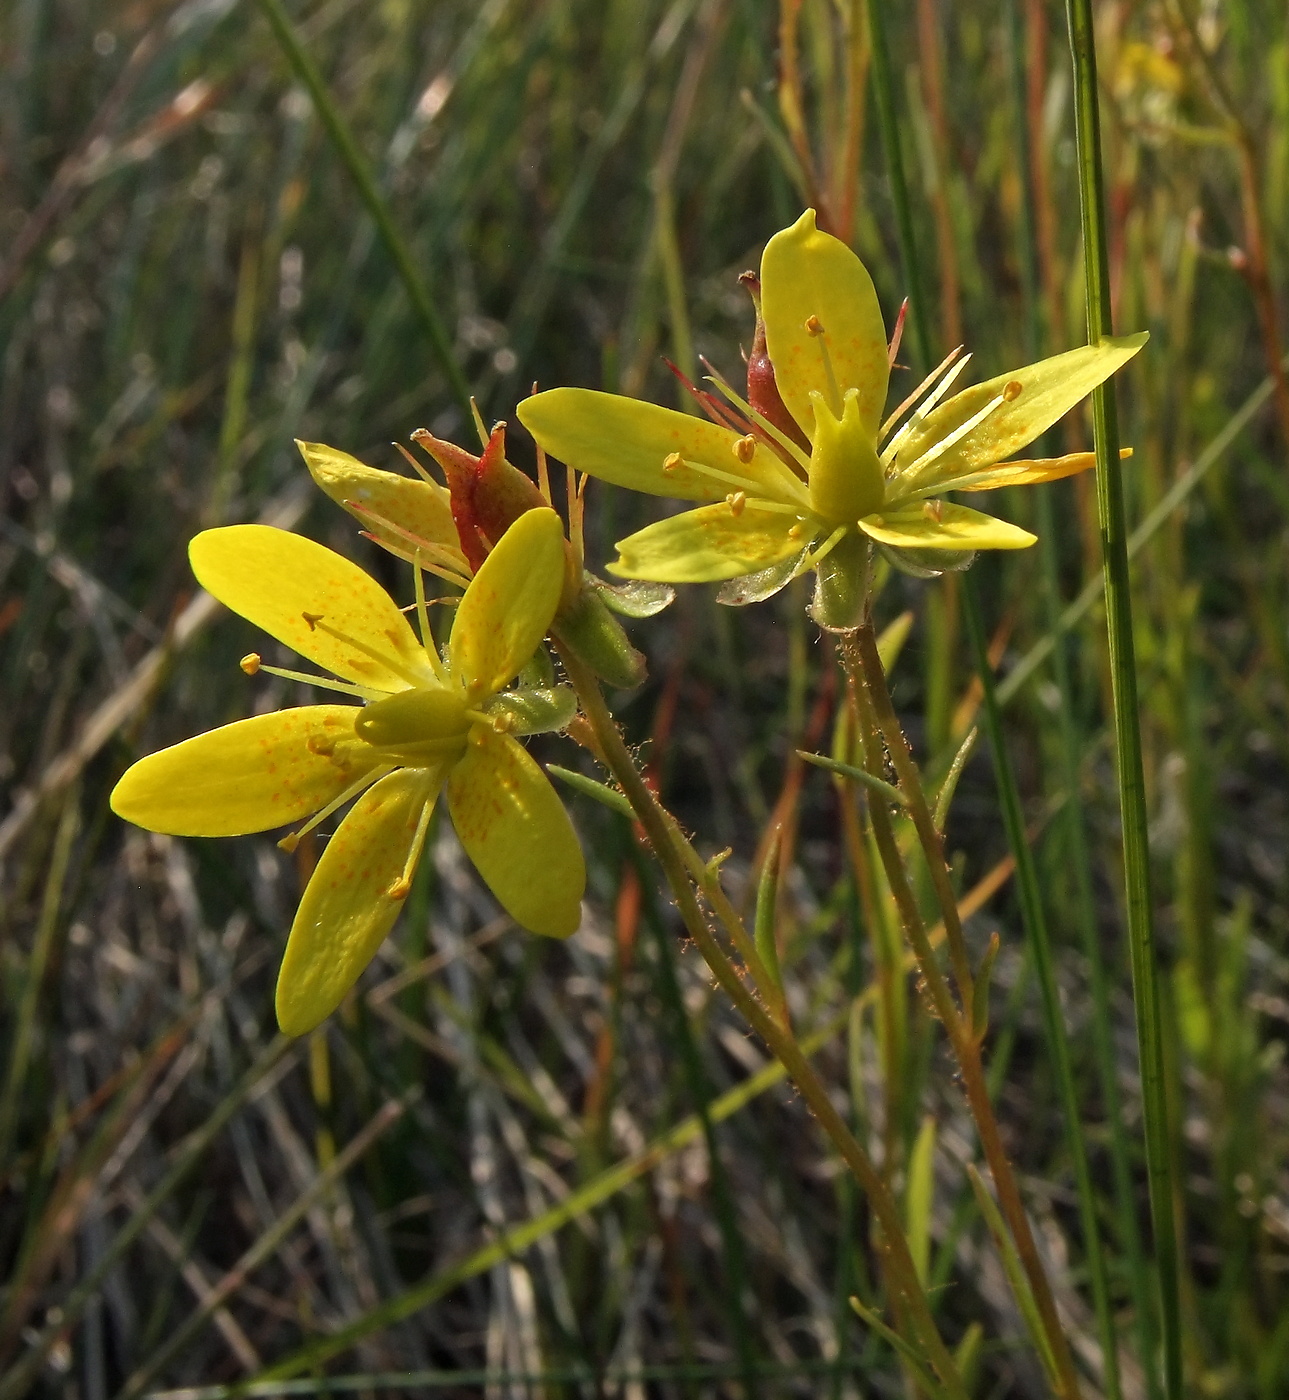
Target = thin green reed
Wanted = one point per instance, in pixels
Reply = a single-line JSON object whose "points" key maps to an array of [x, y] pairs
{"points": [[1132, 793], [347, 149], [1026, 875], [1069, 745]]}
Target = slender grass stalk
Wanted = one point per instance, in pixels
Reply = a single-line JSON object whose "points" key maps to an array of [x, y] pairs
{"points": [[347, 149], [1058, 1046], [1132, 793], [1071, 818]]}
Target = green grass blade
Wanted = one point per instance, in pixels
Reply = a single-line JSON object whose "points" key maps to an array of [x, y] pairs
{"points": [[1132, 793], [347, 148]]}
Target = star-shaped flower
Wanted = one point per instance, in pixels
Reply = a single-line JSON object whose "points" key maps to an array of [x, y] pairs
{"points": [[808, 485], [429, 723]]}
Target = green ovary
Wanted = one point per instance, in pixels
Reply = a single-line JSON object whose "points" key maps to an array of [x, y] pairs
{"points": [[846, 478], [417, 728]]}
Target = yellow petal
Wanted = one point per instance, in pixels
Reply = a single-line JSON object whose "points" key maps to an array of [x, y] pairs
{"points": [[518, 834], [1047, 390], [273, 578], [254, 775], [710, 544], [347, 907], [423, 508], [940, 525], [1026, 473], [807, 273], [627, 442], [510, 603]]}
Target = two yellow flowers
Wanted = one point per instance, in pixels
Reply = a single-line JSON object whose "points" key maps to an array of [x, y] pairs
{"points": [[802, 475]]}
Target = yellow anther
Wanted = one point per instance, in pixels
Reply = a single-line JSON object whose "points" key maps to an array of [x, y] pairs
{"points": [[251, 662], [1012, 390], [736, 501], [289, 843], [814, 326], [400, 889], [503, 722], [312, 619], [672, 462], [933, 510], [794, 532], [745, 449], [316, 744]]}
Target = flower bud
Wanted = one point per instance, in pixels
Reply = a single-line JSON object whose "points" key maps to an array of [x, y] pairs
{"points": [[587, 627], [762, 388]]}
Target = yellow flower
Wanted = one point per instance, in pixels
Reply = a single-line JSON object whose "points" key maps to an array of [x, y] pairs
{"points": [[429, 723], [778, 503]]}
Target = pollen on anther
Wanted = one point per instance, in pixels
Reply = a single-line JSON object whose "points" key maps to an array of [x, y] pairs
{"points": [[736, 500], [933, 510], [814, 326], [312, 619], [672, 462], [745, 449], [1012, 390], [794, 532], [251, 662]]}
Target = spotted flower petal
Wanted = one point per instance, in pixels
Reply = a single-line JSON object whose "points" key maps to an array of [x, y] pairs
{"points": [[420, 508], [627, 442], [1027, 402], [254, 775], [510, 603], [945, 526], [274, 578], [514, 828], [348, 907], [805, 273], [709, 545]]}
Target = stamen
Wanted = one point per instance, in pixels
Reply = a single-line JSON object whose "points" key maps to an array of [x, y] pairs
{"points": [[897, 334], [415, 465], [789, 449], [715, 473], [442, 560], [672, 462], [745, 449], [423, 618], [289, 843], [893, 417], [736, 502], [402, 887], [254, 664], [815, 328], [933, 510], [478, 421], [1012, 390], [316, 624], [918, 468], [817, 556], [919, 414]]}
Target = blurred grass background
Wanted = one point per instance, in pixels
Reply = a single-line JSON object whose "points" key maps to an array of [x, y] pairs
{"points": [[517, 1169]]}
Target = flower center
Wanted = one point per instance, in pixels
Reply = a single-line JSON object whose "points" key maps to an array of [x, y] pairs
{"points": [[846, 477], [418, 728]]}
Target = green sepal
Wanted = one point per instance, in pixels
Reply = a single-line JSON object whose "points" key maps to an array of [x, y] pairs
{"points": [[841, 585], [635, 598], [757, 587], [927, 563], [535, 711], [587, 627]]}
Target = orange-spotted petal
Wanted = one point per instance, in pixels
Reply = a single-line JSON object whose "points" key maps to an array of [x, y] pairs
{"points": [[288, 585], [710, 544], [510, 603], [354, 896], [254, 775], [807, 274], [516, 831]]}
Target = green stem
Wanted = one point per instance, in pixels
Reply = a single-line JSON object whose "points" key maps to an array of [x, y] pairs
{"points": [[1132, 794], [347, 149], [863, 666], [778, 1037]]}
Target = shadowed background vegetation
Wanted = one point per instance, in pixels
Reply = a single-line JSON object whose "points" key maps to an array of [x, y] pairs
{"points": [[517, 1168]]}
